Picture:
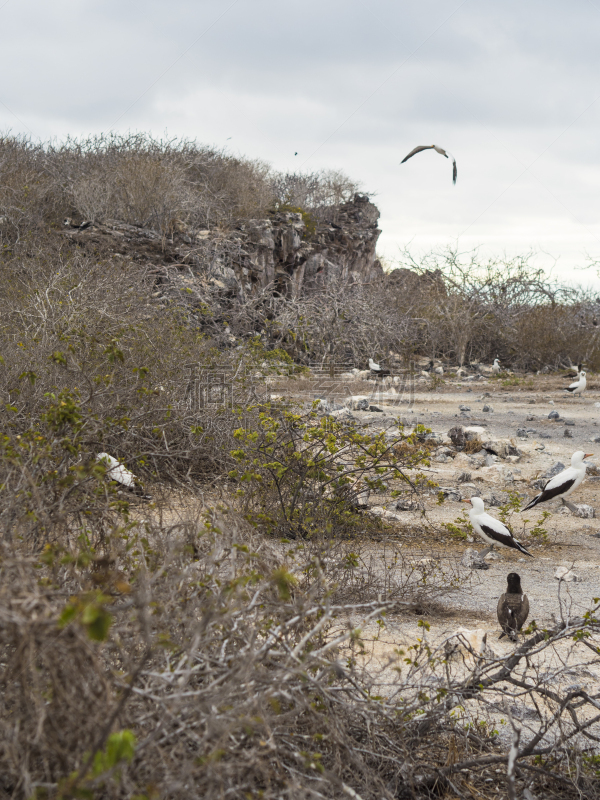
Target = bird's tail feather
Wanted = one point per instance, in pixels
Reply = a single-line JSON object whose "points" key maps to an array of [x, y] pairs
{"points": [[532, 503], [522, 549]]}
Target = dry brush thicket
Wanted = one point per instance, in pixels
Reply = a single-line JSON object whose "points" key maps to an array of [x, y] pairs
{"points": [[194, 647]]}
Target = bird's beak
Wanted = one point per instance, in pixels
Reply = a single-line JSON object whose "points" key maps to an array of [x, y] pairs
{"points": [[465, 501], [588, 455]]}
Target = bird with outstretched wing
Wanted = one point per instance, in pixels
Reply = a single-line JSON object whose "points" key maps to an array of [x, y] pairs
{"points": [[437, 149]]}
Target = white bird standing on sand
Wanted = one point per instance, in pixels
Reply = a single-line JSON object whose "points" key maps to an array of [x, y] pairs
{"points": [[565, 483], [496, 366], [578, 386], [437, 149], [491, 530]]}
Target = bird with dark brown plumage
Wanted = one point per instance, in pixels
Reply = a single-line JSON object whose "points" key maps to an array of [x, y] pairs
{"points": [[437, 149], [513, 607]]}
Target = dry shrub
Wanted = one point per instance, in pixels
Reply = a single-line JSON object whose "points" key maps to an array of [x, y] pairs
{"points": [[473, 446], [223, 664]]}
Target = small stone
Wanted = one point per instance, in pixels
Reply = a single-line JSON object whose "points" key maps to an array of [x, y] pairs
{"points": [[567, 575], [522, 433], [374, 408], [464, 477], [550, 402], [530, 418], [488, 409], [567, 433], [471, 560], [545, 436], [532, 402], [457, 436], [553, 415], [557, 467], [583, 511], [569, 422], [464, 408]]}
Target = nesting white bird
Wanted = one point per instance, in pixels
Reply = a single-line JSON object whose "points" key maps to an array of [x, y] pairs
{"points": [[565, 483], [376, 369], [492, 531], [578, 386], [496, 366], [115, 471]]}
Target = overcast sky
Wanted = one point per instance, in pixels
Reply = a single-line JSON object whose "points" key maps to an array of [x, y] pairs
{"points": [[511, 89]]}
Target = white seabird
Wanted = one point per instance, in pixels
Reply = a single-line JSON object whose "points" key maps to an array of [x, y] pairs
{"points": [[578, 386], [565, 483], [437, 149], [115, 471], [491, 530], [496, 366], [376, 369]]}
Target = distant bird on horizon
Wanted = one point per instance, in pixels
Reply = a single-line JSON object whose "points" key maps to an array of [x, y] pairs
{"points": [[491, 530], [578, 386], [513, 607], [563, 484], [437, 149]]}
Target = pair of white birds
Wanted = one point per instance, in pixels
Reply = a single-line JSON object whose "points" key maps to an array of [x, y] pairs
{"points": [[493, 532]]}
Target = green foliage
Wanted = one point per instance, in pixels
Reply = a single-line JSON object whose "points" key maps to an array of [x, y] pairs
{"points": [[299, 475], [310, 224]]}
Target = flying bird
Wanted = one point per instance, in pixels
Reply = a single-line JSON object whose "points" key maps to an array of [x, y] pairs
{"points": [[565, 483], [437, 149], [492, 531], [513, 607], [578, 386]]}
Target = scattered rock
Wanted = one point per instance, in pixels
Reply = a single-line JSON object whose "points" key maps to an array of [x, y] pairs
{"points": [[449, 493], [408, 504], [374, 408], [487, 409], [554, 415], [457, 436], [496, 498], [468, 643], [567, 575], [545, 436], [567, 433], [583, 511], [464, 408], [384, 513], [471, 560], [464, 477], [569, 422], [473, 432], [358, 403], [557, 467], [522, 433]]}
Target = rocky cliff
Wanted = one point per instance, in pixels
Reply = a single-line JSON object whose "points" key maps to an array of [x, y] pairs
{"points": [[290, 252]]}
